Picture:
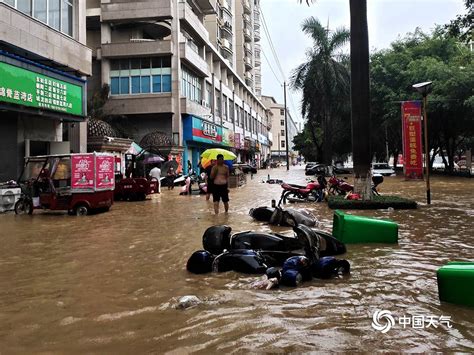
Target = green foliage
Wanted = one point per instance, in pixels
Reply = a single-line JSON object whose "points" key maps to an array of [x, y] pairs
{"points": [[419, 57], [462, 26], [324, 81]]}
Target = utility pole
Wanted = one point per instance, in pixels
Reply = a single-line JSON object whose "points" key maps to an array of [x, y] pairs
{"points": [[286, 129]]}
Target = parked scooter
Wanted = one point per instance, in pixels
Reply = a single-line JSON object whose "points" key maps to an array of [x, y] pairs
{"points": [[191, 180], [312, 192], [339, 186]]}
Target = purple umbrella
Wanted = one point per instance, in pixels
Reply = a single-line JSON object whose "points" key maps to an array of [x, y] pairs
{"points": [[153, 159]]}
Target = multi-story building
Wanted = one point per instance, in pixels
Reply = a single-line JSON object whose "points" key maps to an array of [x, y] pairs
{"points": [[44, 62], [169, 84], [235, 31], [278, 130]]}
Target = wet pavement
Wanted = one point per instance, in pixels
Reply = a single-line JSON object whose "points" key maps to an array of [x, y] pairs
{"points": [[107, 283]]}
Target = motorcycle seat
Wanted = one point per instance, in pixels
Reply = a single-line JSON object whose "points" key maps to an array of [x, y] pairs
{"points": [[297, 186]]}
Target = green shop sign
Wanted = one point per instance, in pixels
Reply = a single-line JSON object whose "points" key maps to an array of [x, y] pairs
{"points": [[23, 87]]}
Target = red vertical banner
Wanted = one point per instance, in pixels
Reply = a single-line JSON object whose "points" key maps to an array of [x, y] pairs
{"points": [[412, 146], [104, 172]]}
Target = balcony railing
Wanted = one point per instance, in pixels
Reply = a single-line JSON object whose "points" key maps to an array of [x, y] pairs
{"points": [[246, 6], [226, 45], [248, 63], [256, 35], [224, 5], [247, 35], [247, 20]]}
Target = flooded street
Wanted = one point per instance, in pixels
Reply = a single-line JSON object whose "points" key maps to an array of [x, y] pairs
{"points": [[106, 283]]}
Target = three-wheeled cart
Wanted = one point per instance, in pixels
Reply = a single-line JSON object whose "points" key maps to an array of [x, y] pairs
{"points": [[77, 183]]}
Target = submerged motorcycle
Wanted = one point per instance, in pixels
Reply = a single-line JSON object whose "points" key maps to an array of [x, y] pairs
{"points": [[312, 192], [253, 252], [283, 217]]}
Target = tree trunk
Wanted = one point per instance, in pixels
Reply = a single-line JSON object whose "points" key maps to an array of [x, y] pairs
{"points": [[327, 140], [360, 98]]}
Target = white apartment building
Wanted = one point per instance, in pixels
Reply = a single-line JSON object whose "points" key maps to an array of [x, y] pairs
{"points": [[235, 31], [170, 84], [278, 131]]}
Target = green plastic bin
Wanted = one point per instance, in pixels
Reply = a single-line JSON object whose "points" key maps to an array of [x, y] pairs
{"points": [[352, 229], [456, 283]]}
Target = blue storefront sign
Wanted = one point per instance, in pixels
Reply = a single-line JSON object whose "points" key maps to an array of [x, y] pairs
{"points": [[199, 135]]}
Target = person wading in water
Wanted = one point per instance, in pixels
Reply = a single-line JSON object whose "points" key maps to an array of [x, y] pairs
{"points": [[220, 188]]}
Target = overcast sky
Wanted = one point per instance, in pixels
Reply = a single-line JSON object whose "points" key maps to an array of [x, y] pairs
{"points": [[387, 20]]}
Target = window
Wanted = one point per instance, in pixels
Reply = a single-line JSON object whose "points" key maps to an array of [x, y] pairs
{"points": [[231, 111], [218, 104], [41, 10], [282, 122], [124, 85], [115, 86], [66, 17], [24, 6], [57, 14], [282, 132], [283, 144], [140, 76], [156, 83], [191, 86], [224, 107], [54, 14], [282, 112], [145, 84]]}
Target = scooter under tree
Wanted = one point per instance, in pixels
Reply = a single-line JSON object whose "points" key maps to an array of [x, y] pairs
{"points": [[312, 192], [337, 186]]}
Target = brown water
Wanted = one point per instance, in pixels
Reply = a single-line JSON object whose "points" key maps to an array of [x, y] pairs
{"points": [[107, 283]]}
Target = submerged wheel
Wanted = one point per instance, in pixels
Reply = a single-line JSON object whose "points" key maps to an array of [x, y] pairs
{"points": [[81, 210], [23, 206]]}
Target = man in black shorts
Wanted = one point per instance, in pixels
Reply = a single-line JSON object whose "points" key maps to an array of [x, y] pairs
{"points": [[220, 187]]}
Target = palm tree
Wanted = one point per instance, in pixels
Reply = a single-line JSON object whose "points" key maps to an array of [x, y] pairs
{"points": [[360, 96], [323, 79]]}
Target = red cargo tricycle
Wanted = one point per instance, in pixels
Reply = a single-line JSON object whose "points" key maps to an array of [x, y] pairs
{"points": [[77, 183]]}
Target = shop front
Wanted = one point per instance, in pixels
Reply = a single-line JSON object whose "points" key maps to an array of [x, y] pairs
{"points": [[35, 101], [199, 135]]}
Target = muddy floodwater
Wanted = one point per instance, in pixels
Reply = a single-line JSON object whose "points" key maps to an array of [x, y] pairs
{"points": [[107, 283]]}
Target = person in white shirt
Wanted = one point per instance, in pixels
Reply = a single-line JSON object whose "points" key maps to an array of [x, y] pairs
{"points": [[155, 173]]}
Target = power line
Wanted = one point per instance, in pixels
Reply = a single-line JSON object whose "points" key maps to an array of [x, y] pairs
{"points": [[271, 68], [272, 47]]}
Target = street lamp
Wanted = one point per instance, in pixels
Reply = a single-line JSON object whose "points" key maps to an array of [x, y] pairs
{"points": [[424, 89]]}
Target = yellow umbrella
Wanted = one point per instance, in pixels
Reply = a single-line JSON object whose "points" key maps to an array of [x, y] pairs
{"points": [[212, 153]]}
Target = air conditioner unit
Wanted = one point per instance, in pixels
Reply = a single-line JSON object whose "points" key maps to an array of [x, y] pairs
{"points": [[8, 198]]}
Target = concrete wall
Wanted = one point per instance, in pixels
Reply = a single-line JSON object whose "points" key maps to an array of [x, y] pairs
{"points": [[137, 10], [133, 49], [25, 32], [139, 104]]}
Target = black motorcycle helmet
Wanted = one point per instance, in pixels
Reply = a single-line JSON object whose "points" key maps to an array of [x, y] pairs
{"points": [[216, 239], [273, 272], [200, 262]]}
